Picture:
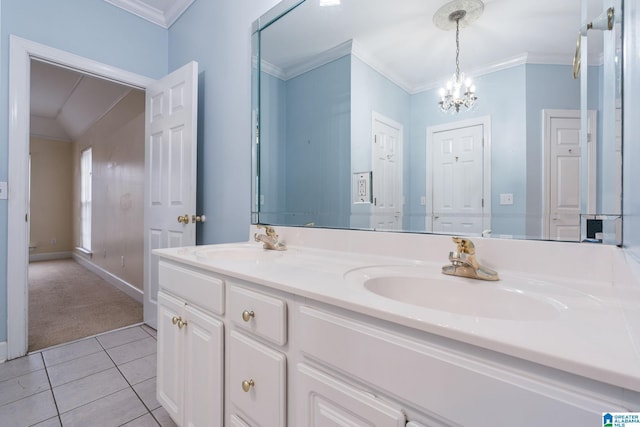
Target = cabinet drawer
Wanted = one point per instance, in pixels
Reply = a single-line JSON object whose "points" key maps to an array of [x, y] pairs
{"points": [[261, 314], [264, 370], [439, 380], [195, 287], [326, 401]]}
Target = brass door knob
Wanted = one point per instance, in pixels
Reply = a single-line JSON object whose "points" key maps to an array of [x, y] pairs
{"points": [[183, 219], [175, 320], [181, 323], [198, 218], [246, 385], [248, 315]]}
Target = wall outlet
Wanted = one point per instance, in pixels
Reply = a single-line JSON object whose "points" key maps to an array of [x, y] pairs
{"points": [[4, 190], [53, 241], [122, 261], [423, 201], [506, 199]]}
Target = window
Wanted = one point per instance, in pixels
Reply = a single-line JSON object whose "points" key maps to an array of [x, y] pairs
{"points": [[85, 198]]}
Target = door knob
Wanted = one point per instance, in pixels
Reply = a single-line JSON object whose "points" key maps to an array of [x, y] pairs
{"points": [[183, 219], [198, 218]]}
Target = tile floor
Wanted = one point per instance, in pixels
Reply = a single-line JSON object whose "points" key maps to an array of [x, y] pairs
{"points": [[107, 380]]}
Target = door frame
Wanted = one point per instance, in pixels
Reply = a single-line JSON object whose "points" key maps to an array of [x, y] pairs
{"points": [[21, 52], [591, 152], [485, 121]]}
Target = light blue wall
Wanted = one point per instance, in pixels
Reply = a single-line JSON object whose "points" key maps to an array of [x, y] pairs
{"points": [[273, 154], [90, 28], [318, 105], [501, 95], [631, 132], [372, 92], [513, 98], [217, 34]]}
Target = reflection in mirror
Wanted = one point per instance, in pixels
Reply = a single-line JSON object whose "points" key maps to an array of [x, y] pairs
{"points": [[351, 133]]}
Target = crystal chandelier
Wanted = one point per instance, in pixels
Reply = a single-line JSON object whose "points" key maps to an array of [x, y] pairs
{"points": [[459, 90]]}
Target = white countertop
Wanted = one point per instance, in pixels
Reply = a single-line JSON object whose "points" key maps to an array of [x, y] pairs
{"points": [[591, 326]]}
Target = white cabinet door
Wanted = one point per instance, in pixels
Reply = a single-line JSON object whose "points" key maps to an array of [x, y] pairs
{"points": [[203, 369], [324, 401], [170, 377], [190, 363]]}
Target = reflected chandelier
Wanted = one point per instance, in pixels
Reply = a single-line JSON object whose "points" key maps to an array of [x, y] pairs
{"points": [[459, 90]]}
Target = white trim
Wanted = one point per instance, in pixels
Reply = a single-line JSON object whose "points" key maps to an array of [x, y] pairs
{"points": [[162, 17], [49, 256], [485, 121], [592, 154], [21, 51], [110, 278], [3, 351], [319, 60]]}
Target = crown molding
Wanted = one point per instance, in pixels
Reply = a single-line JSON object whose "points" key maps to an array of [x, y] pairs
{"points": [[162, 17]]}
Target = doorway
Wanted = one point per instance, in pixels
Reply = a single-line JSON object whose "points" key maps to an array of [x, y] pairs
{"points": [[459, 178], [21, 53], [77, 273]]}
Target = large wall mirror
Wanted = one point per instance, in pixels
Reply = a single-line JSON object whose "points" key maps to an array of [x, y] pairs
{"points": [[349, 131]]}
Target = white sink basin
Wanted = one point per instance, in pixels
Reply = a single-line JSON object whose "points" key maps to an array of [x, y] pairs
{"points": [[507, 299]]}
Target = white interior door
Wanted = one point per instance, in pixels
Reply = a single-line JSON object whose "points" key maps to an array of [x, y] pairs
{"points": [[387, 174], [458, 199], [563, 177], [564, 197], [170, 167]]}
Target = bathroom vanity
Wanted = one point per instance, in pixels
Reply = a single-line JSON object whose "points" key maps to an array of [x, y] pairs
{"points": [[358, 328]]}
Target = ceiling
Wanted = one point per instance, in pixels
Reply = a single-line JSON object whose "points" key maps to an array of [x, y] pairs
{"points": [[65, 103], [400, 39]]}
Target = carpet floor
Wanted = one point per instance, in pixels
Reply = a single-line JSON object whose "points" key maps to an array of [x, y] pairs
{"points": [[68, 302]]}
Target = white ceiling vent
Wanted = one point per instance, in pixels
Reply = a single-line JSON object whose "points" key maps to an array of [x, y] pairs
{"points": [[161, 12]]}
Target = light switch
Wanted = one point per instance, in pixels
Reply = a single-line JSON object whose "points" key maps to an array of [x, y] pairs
{"points": [[506, 199], [3, 190]]}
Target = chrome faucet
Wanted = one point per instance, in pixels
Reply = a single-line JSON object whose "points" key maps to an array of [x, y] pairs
{"points": [[269, 239], [464, 262]]}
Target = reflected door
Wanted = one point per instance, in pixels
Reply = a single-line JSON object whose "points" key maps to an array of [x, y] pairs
{"points": [[387, 174], [458, 176], [170, 164], [564, 197]]}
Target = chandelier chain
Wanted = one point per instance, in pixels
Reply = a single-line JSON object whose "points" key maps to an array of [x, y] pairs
{"points": [[458, 49]]}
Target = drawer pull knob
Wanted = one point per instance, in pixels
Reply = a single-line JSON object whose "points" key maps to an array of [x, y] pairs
{"points": [[248, 315], [246, 385], [178, 321]]}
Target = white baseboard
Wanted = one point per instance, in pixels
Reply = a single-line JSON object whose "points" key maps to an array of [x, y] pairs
{"points": [[110, 278], [3, 351], [48, 256]]}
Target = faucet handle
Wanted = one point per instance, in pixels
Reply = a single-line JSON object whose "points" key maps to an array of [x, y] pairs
{"points": [[465, 246], [268, 230]]}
